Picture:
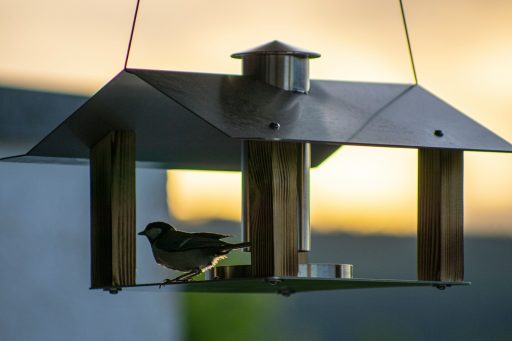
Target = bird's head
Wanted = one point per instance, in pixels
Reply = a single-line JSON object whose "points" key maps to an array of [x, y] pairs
{"points": [[155, 230]]}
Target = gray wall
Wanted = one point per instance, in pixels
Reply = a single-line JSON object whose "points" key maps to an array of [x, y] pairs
{"points": [[45, 261]]}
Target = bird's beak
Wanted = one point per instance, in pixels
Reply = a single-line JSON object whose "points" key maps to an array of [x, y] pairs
{"points": [[142, 233]]}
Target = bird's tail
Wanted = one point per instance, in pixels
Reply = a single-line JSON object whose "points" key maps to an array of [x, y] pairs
{"points": [[237, 246]]}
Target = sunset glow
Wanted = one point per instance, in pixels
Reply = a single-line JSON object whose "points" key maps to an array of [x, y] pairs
{"points": [[358, 189]]}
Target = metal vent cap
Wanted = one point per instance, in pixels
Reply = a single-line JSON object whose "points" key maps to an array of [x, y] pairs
{"points": [[277, 48]]}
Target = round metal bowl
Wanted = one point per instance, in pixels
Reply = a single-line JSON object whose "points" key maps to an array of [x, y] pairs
{"points": [[310, 270], [228, 272]]}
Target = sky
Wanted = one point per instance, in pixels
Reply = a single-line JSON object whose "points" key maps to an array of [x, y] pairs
{"points": [[462, 51]]}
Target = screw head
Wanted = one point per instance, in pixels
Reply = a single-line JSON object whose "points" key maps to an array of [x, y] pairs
{"points": [[113, 290], [438, 133], [285, 291], [273, 281], [274, 125]]}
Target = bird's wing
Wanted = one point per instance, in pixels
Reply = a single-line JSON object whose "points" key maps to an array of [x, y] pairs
{"points": [[173, 241], [210, 235]]}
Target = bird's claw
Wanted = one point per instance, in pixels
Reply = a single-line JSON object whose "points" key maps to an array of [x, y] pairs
{"points": [[173, 281], [165, 282]]}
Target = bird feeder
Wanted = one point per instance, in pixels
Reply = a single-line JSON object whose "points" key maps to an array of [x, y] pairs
{"points": [[272, 123]]}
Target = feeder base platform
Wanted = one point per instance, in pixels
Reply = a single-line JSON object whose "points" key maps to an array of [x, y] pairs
{"points": [[283, 285]]}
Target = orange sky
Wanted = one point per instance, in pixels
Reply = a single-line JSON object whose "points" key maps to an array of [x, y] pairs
{"points": [[463, 53]]}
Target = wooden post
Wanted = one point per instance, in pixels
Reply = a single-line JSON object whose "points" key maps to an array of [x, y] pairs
{"points": [[440, 215], [273, 206], [112, 163]]}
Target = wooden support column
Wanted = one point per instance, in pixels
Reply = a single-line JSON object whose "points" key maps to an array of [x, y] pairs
{"points": [[440, 215], [112, 164], [273, 206]]}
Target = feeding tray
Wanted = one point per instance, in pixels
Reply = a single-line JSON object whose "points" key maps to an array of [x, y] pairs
{"points": [[284, 285]]}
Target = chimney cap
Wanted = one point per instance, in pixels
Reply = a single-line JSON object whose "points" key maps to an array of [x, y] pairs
{"points": [[277, 47]]}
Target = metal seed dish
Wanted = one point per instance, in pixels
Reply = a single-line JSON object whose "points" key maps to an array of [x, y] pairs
{"points": [[228, 272], [310, 270]]}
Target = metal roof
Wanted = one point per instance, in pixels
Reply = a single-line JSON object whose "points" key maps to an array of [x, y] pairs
{"points": [[27, 116], [196, 120]]}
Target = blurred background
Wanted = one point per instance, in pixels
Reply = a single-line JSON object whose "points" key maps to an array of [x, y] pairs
{"points": [[363, 200]]}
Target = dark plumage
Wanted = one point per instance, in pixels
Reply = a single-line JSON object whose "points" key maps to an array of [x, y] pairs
{"points": [[182, 251]]}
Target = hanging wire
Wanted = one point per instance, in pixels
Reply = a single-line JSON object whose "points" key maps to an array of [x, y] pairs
{"points": [[408, 43], [131, 34], [403, 18]]}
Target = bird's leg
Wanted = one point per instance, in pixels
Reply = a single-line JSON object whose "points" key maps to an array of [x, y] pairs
{"points": [[191, 274], [182, 278]]}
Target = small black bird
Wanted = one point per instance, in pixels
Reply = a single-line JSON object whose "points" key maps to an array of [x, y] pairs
{"points": [[182, 251]]}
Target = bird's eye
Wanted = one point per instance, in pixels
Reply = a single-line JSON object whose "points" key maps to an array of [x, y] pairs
{"points": [[153, 233]]}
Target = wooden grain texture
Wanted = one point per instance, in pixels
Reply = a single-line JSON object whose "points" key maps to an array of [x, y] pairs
{"points": [[101, 233], [286, 207], [113, 210], [273, 207], [440, 215]]}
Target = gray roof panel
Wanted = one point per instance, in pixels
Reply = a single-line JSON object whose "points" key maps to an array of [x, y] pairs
{"points": [[413, 119], [196, 120]]}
